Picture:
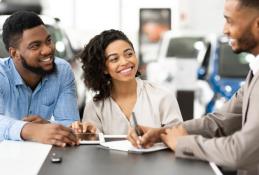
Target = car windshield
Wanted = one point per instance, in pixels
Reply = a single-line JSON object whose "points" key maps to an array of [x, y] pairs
{"points": [[229, 62], [184, 47], [63, 48]]}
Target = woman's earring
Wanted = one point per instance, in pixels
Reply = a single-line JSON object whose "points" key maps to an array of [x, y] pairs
{"points": [[108, 82]]}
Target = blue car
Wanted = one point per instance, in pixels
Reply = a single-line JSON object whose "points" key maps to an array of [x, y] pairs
{"points": [[224, 71]]}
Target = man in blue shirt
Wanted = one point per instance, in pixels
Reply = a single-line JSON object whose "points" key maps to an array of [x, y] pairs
{"points": [[34, 85]]}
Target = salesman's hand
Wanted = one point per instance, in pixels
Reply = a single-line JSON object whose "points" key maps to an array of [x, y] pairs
{"points": [[84, 127], [170, 136], [35, 119], [54, 134], [150, 136]]}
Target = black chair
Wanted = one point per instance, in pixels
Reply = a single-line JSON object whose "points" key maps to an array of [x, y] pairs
{"points": [[185, 99]]}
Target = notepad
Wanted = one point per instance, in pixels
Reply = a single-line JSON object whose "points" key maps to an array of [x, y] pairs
{"points": [[125, 145]]}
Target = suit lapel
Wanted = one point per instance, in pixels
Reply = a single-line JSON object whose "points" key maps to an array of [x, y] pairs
{"points": [[246, 96], [250, 82]]}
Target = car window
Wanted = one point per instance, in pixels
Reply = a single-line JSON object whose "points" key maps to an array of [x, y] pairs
{"points": [[229, 61], [183, 47]]}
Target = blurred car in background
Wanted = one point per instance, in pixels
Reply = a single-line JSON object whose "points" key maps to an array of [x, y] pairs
{"points": [[177, 61], [8, 7], [223, 70], [176, 67], [63, 50]]}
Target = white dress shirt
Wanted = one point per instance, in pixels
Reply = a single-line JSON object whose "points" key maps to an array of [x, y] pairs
{"points": [[254, 64]]}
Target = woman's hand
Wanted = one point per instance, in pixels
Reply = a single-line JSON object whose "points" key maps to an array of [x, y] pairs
{"points": [[149, 138], [83, 127]]}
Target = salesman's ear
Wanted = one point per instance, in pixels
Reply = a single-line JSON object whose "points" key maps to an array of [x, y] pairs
{"points": [[257, 26], [14, 53]]}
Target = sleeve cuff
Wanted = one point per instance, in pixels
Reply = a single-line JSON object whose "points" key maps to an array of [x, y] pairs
{"points": [[15, 130], [184, 147]]}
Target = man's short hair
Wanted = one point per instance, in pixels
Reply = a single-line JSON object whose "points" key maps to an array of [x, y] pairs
{"points": [[249, 3], [15, 25]]}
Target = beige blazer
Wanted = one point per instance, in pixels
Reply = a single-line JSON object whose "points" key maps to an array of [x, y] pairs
{"points": [[230, 136]]}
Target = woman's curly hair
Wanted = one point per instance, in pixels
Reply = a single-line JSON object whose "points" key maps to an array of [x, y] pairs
{"points": [[93, 59]]}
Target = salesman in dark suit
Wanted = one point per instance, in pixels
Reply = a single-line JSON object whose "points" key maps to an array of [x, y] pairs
{"points": [[228, 137]]}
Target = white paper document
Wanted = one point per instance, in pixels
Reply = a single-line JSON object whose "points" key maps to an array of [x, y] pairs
{"points": [[125, 145], [18, 157]]}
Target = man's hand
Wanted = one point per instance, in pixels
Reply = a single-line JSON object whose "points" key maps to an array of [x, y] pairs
{"points": [[84, 127], [54, 134], [170, 136], [35, 119], [149, 137]]}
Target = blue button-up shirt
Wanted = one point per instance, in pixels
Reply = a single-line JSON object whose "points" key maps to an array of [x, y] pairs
{"points": [[54, 96]]}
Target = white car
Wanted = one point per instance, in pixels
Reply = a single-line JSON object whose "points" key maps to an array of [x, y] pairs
{"points": [[177, 65], [177, 61]]}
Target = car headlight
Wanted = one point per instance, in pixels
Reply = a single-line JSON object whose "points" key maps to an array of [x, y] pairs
{"points": [[60, 46]]}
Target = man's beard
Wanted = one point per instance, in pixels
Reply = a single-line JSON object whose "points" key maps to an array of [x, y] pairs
{"points": [[38, 70], [246, 43]]}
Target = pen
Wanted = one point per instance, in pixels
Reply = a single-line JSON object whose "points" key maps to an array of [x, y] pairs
{"points": [[135, 125]]}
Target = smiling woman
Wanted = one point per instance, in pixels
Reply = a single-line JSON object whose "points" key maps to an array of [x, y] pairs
{"points": [[110, 69]]}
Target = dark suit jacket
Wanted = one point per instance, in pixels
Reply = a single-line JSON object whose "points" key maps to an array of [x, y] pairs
{"points": [[230, 136]]}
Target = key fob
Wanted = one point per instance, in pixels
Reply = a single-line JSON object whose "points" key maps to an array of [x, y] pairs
{"points": [[55, 158]]}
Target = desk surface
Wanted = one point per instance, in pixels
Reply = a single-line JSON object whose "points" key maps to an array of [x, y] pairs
{"points": [[93, 160]]}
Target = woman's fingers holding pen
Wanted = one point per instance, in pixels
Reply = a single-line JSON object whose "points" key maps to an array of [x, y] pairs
{"points": [[151, 136], [134, 138], [146, 139]]}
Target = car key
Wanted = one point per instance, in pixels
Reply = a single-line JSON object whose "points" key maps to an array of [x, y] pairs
{"points": [[55, 158]]}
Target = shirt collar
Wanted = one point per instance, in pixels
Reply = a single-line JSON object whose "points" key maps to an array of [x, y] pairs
{"points": [[254, 65], [16, 76], [140, 85]]}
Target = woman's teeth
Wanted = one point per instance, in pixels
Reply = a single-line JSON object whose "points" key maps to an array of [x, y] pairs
{"points": [[126, 70]]}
